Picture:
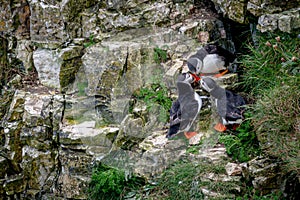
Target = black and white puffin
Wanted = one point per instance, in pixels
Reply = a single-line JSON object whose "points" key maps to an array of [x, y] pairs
{"points": [[185, 108], [230, 106], [211, 59]]}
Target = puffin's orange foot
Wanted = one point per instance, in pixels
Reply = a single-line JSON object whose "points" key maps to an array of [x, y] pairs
{"points": [[220, 127], [221, 74], [189, 135]]}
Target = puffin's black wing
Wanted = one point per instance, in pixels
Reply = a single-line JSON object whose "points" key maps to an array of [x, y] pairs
{"points": [[188, 104], [222, 104], [175, 118], [175, 113]]}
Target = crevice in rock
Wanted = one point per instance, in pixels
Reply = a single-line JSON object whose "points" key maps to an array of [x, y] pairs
{"points": [[125, 66], [57, 148]]}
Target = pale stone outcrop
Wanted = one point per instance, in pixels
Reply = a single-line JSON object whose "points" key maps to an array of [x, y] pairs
{"points": [[272, 15], [57, 68], [234, 10], [285, 21]]}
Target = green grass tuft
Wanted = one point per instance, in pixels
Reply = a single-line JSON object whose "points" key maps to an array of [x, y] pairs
{"points": [[112, 183], [272, 76], [156, 93], [270, 64]]}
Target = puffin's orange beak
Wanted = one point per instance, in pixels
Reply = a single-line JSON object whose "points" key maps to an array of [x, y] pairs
{"points": [[221, 74], [197, 78]]}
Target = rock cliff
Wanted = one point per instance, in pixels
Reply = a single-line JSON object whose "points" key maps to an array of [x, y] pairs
{"points": [[68, 72]]}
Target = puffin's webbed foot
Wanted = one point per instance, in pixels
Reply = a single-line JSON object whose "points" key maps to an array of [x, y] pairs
{"points": [[189, 135], [220, 127]]}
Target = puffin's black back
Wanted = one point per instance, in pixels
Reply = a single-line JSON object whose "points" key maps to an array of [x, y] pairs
{"points": [[227, 56], [235, 106], [201, 53]]}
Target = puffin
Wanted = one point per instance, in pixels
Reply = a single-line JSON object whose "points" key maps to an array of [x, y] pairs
{"points": [[211, 59], [185, 108], [230, 106]]}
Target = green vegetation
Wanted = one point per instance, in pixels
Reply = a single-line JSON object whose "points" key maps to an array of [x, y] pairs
{"points": [[156, 93], [277, 123], [256, 196], [194, 149], [90, 42], [179, 182], [272, 64], [81, 88], [272, 77], [243, 144], [184, 180], [160, 55], [112, 184]]}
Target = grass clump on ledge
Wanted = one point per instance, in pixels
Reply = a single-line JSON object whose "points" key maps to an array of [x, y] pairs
{"points": [[272, 77], [112, 184], [186, 179], [156, 93]]}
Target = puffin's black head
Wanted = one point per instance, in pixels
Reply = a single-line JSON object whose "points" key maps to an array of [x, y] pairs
{"points": [[185, 77], [208, 84], [227, 56], [211, 48], [194, 65]]}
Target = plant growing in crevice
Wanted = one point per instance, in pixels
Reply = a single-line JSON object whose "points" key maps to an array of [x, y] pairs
{"points": [[160, 55], [156, 93], [81, 86], [90, 42], [112, 183]]}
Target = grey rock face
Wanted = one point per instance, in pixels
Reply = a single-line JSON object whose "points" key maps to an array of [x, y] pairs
{"points": [[273, 15], [285, 21]]}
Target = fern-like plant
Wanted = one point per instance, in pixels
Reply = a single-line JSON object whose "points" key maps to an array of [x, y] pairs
{"points": [[109, 183]]}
